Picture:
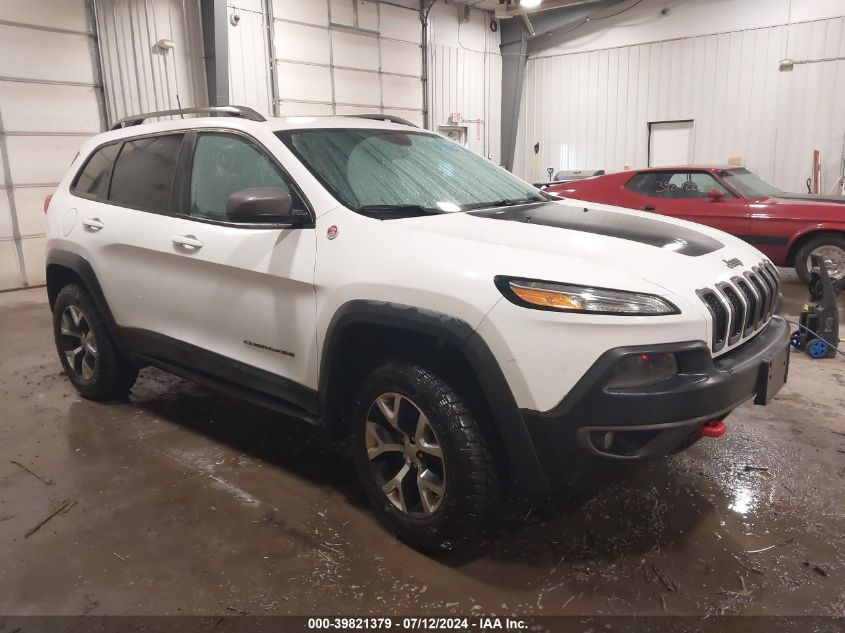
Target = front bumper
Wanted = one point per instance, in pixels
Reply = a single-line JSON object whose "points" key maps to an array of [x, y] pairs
{"points": [[663, 418]]}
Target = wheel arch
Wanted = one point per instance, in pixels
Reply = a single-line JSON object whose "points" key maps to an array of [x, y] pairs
{"points": [[65, 267], [802, 238], [363, 332]]}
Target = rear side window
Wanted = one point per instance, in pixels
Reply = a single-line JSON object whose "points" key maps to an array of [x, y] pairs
{"points": [[145, 172], [93, 180]]}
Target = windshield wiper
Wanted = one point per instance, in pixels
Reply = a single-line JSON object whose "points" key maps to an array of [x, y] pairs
{"points": [[506, 202], [396, 210]]}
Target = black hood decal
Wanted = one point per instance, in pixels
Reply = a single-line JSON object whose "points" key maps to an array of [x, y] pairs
{"points": [[678, 239]]}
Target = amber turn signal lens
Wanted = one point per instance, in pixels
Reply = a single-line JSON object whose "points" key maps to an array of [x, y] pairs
{"points": [[545, 298]]}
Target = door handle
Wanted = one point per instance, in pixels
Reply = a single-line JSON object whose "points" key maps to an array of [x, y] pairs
{"points": [[648, 207], [187, 241], [92, 224]]}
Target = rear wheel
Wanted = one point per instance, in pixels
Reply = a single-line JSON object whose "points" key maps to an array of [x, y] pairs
{"points": [[831, 248], [89, 357], [422, 458]]}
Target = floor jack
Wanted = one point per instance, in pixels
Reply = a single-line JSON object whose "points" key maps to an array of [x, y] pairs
{"points": [[818, 330]]}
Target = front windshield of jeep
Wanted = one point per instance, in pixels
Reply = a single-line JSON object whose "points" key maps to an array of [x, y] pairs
{"points": [[749, 185], [374, 171]]}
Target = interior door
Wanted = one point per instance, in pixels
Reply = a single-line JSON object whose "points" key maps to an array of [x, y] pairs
{"points": [[247, 291], [670, 143], [684, 194]]}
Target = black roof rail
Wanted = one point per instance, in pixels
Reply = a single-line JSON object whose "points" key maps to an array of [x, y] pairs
{"points": [[382, 117], [236, 111]]}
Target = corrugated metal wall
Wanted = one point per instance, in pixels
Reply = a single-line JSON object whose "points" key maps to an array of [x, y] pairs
{"points": [[139, 75], [591, 109], [465, 76], [48, 105]]}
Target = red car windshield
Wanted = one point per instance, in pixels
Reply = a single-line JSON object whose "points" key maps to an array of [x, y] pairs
{"points": [[747, 184]]}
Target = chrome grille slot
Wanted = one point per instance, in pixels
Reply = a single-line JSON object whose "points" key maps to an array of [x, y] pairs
{"points": [[763, 307], [750, 302], [737, 312], [720, 317], [743, 306]]}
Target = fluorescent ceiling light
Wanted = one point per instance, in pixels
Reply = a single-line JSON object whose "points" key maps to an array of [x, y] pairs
{"points": [[529, 4]]}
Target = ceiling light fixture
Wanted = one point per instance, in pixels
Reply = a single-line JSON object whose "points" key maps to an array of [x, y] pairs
{"points": [[529, 4]]}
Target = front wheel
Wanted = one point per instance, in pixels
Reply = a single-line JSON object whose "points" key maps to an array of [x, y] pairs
{"points": [[422, 458], [831, 248]]}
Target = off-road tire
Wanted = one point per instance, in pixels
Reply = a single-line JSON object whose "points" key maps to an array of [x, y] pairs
{"points": [[114, 374], [467, 508]]}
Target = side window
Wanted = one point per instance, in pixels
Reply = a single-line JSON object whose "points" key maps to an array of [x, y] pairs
{"points": [[686, 184], [93, 180], [224, 164], [145, 172], [645, 184]]}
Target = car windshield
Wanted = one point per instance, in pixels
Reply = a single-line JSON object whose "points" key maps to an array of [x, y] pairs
{"points": [[749, 185], [412, 172]]}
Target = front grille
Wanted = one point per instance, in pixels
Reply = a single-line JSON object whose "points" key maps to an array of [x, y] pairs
{"points": [[743, 306]]}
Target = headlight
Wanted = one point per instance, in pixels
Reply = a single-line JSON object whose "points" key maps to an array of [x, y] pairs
{"points": [[546, 295], [642, 370]]}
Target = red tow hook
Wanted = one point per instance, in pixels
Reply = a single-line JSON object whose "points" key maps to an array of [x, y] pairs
{"points": [[713, 428]]}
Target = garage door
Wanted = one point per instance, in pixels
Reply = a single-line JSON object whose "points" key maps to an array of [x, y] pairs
{"points": [[347, 57], [48, 105]]}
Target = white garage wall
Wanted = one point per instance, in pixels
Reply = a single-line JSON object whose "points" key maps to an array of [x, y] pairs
{"points": [[591, 109], [465, 75], [48, 105], [139, 76], [331, 57]]}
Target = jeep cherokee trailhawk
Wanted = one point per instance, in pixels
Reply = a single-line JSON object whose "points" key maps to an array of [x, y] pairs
{"points": [[461, 328]]}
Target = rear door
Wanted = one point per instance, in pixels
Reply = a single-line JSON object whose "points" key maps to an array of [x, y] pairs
{"points": [[683, 194], [125, 217]]}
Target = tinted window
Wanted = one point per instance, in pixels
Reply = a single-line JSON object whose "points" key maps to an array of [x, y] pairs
{"points": [[675, 184], [93, 180], [144, 173], [225, 164]]}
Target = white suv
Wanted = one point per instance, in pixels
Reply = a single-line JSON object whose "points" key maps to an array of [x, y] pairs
{"points": [[459, 326]]}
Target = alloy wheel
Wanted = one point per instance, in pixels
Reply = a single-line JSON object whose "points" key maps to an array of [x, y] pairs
{"points": [[833, 257], [405, 455], [78, 343]]}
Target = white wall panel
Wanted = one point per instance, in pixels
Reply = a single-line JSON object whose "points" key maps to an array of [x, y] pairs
{"points": [[5, 219], [41, 159], [249, 74], [355, 51], [29, 204], [358, 88], [465, 70], [400, 24], [10, 276], [591, 109], [27, 107], [293, 108], [297, 42], [34, 255], [304, 82], [33, 54], [139, 75], [401, 92], [401, 57], [308, 11], [66, 14]]}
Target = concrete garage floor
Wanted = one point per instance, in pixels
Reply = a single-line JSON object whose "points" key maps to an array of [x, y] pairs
{"points": [[182, 501]]}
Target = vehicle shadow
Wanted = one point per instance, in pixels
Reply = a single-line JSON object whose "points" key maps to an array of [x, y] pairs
{"points": [[613, 511]]}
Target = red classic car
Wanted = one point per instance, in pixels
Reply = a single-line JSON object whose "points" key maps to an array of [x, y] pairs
{"points": [[786, 227]]}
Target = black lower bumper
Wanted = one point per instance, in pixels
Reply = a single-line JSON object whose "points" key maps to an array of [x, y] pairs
{"points": [[663, 418]]}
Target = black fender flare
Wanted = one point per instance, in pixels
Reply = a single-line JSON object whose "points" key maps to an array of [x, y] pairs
{"points": [[80, 266], [507, 416]]}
